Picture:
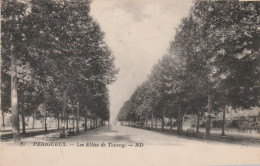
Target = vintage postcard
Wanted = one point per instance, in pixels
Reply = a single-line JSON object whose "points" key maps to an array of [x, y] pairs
{"points": [[130, 82]]}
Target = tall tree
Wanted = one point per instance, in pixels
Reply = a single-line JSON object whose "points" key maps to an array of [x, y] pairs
{"points": [[12, 35]]}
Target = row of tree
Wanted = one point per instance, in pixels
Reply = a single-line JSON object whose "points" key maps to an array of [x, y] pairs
{"points": [[55, 62], [212, 64]]}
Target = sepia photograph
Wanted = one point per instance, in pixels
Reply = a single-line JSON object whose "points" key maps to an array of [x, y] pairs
{"points": [[130, 82]]}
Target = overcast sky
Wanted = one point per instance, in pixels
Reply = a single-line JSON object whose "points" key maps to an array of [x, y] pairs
{"points": [[138, 33]]}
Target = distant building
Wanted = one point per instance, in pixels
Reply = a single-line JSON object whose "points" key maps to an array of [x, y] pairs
{"points": [[238, 119]]}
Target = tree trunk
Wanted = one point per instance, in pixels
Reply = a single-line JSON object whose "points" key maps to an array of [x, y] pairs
{"points": [[181, 122], [152, 121], [67, 123], [14, 99], [146, 120], [258, 121], [179, 119], [129, 123], [33, 120], [22, 113], [163, 119], [45, 121], [58, 122], [170, 123], [77, 117], [64, 106], [1, 84], [73, 123], [156, 120], [86, 122], [198, 122], [3, 115], [209, 117], [223, 122], [23, 122], [42, 122], [140, 121]]}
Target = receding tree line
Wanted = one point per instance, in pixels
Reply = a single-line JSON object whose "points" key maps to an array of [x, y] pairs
{"points": [[55, 63], [212, 64]]}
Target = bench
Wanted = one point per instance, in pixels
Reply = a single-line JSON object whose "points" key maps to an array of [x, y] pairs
{"points": [[72, 132], [190, 132]]}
